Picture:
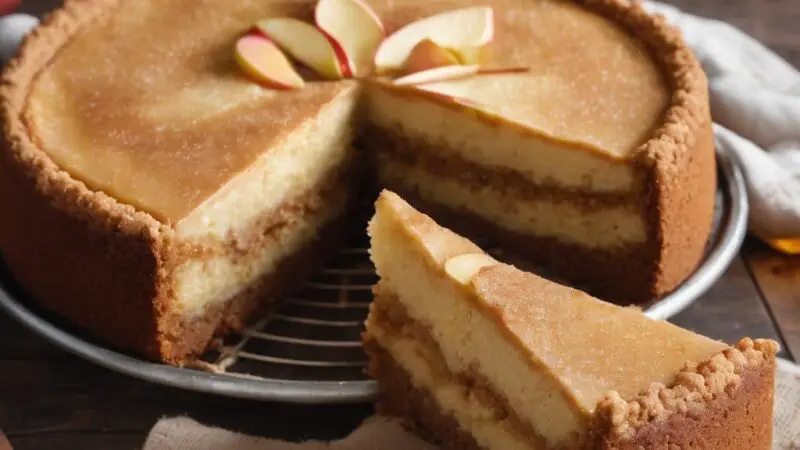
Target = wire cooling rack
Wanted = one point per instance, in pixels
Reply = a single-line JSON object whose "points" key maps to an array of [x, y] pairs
{"points": [[314, 334], [308, 349]]}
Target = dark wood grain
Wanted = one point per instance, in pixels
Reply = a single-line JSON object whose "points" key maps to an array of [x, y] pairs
{"points": [[778, 278], [39, 7], [4, 444], [30, 347], [773, 22], [52, 400], [80, 440], [730, 310], [42, 400]]}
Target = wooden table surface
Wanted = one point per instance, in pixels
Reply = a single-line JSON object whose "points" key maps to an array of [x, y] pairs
{"points": [[50, 399]]}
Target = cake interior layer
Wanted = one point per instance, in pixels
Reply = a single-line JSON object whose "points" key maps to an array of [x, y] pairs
{"points": [[185, 336], [468, 397], [571, 220], [490, 143], [222, 269], [623, 276], [466, 336], [299, 162], [400, 397]]}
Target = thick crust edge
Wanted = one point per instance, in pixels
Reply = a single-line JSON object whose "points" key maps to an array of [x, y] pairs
{"points": [[680, 155], [68, 245], [726, 399]]}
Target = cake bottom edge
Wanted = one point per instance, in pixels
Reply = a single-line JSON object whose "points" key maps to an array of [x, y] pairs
{"points": [[393, 340], [183, 338], [416, 408]]}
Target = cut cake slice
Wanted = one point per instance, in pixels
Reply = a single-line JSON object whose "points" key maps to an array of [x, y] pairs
{"points": [[474, 353]]}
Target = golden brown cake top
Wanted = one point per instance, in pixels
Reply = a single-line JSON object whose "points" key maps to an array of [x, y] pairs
{"points": [[594, 347], [145, 101]]}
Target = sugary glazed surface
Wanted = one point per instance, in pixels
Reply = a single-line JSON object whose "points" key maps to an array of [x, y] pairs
{"points": [[148, 105]]}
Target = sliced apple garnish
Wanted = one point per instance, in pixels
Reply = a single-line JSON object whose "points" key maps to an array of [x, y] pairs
{"points": [[472, 55], [437, 74], [305, 43], [463, 268], [354, 28], [428, 55], [263, 61], [463, 31], [447, 73], [491, 70]]}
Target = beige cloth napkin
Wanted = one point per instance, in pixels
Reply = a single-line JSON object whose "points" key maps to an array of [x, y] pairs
{"points": [[755, 102], [379, 433]]}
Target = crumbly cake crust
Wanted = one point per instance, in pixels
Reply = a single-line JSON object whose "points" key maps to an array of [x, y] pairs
{"points": [[741, 421], [681, 151], [733, 387], [94, 250]]}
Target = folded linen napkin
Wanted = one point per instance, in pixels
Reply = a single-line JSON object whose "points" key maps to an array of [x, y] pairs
{"points": [[376, 433], [755, 102]]}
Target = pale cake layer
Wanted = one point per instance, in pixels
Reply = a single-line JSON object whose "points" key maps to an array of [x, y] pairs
{"points": [[488, 143], [723, 402], [608, 228], [465, 337], [444, 161], [410, 345], [165, 125], [452, 398], [507, 315], [201, 281], [417, 409], [185, 333], [299, 163]]}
